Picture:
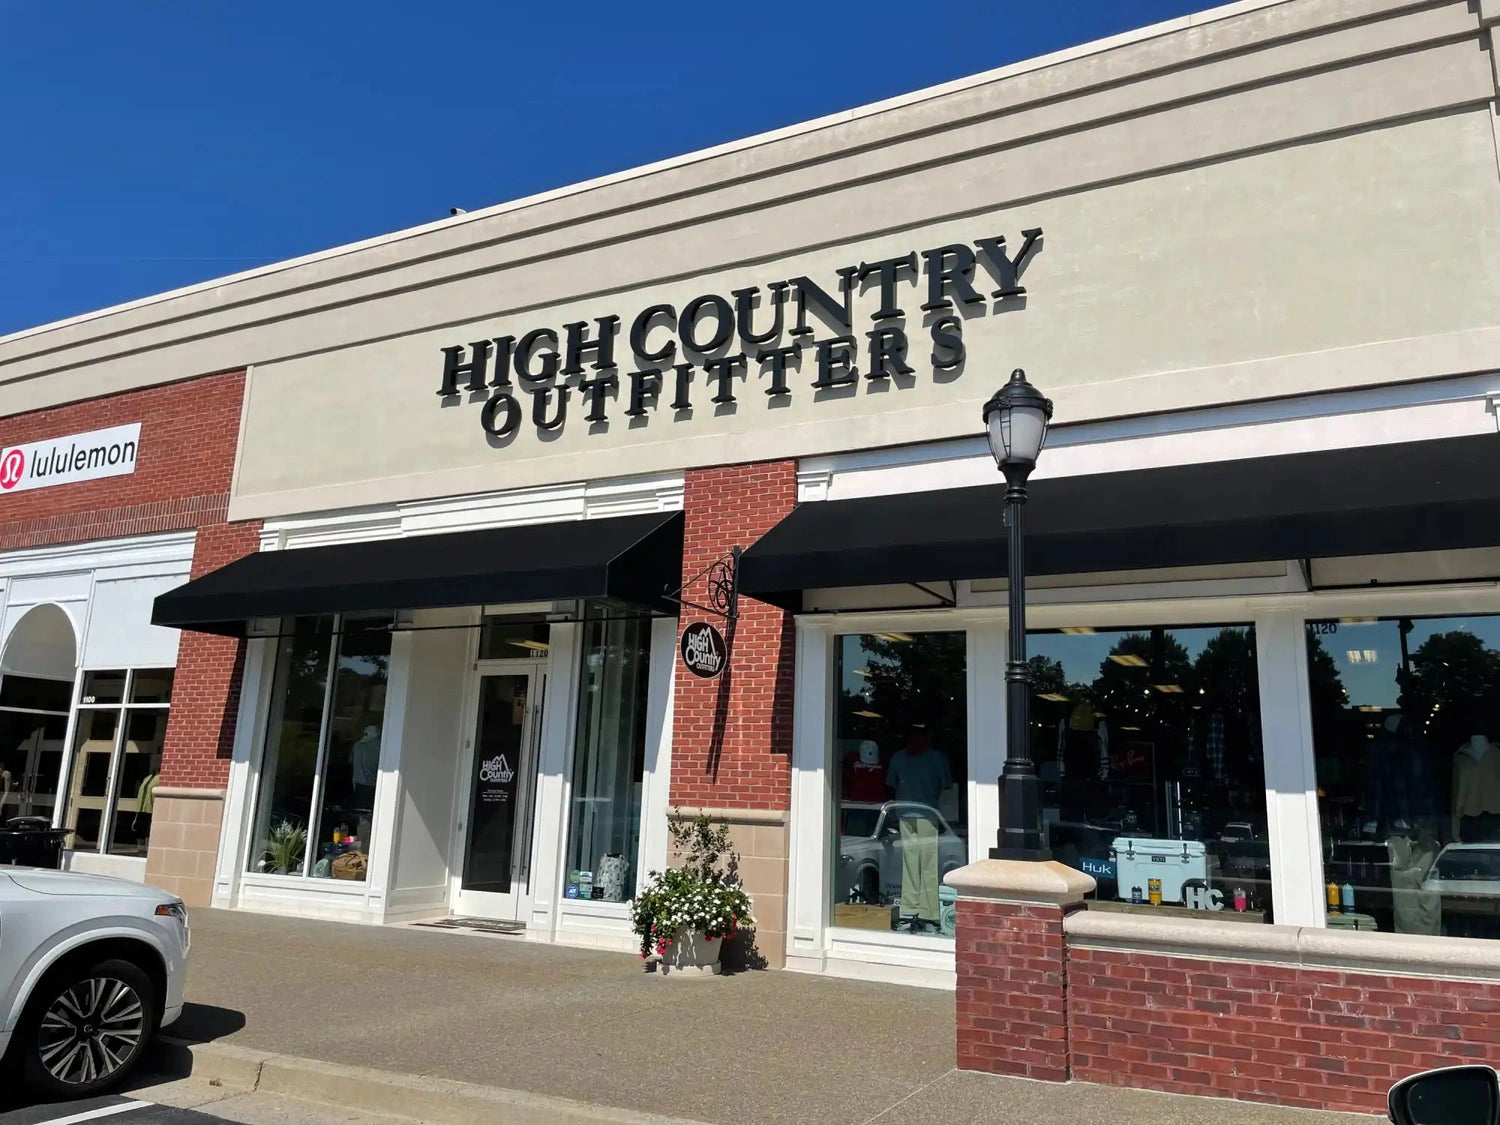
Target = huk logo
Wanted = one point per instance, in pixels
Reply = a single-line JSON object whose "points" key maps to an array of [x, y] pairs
{"points": [[66, 460], [497, 769]]}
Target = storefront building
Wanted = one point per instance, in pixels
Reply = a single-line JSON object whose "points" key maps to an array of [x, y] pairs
{"points": [[489, 470], [111, 725]]}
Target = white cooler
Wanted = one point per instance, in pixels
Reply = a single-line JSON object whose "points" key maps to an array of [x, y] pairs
{"points": [[1138, 860]]}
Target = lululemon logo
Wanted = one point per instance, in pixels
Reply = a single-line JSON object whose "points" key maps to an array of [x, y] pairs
{"points": [[12, 469]]}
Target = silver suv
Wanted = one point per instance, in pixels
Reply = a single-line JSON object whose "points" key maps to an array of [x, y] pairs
{"points": [[90, 968]]}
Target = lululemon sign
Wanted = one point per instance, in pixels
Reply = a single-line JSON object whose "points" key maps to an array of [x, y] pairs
{"points": [[704, 652], [67, 460]]}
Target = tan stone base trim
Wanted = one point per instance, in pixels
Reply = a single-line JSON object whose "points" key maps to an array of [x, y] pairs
{"points": [[760, 838], [184, 848]]}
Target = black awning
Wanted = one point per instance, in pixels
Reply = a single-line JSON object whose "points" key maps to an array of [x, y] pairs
{"points": [[1381, 499], [633, 559]]}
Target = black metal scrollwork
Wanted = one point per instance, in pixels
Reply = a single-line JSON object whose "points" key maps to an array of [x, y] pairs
{"points": [[723, 587]]}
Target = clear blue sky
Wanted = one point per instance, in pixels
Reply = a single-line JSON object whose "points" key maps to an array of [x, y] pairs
{"points": [[150, 144]]}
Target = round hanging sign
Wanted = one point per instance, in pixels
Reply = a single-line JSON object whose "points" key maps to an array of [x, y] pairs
{"points": [[703, 650]]}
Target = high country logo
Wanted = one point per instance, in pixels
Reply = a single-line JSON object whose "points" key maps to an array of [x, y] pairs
{"points": [[496, 769], [67, 460]]}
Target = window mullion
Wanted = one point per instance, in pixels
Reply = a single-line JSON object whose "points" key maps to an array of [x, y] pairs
{"points": [[107, 828], [313, 827]]}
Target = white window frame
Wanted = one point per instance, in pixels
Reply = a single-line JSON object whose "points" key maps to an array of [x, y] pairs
{"points": [[305, 879], [123, 708]]}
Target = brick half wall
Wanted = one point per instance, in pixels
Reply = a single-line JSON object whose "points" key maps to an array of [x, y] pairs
{"points": [[1295, 1016], [1295, 1036]]}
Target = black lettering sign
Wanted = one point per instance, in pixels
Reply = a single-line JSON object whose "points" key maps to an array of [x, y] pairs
{"points": [[672, 350]]}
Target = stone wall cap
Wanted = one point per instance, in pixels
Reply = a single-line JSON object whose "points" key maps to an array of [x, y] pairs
{"points": [[1307, 946], [1019, 880], [1179, 934]]}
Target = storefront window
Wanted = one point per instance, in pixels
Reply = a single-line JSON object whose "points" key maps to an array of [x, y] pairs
{"points": [[1147, 742], [33, 727], [323, 748], [609, 759], [1406, 733], [900, 780], [117, 749]]}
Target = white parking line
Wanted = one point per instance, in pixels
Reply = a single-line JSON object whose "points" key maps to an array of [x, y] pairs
{"points": [[95, 1114]]}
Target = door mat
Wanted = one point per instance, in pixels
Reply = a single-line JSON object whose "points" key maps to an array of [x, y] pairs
{"points": [[478, 925]]}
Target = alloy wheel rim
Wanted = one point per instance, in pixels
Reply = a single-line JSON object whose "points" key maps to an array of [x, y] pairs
{"points": [[91, 1030]]}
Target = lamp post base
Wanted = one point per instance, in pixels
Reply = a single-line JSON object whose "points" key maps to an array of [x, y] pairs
{"points": [[1020, 835]]}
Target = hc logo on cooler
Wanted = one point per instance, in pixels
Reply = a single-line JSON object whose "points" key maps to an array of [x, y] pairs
{"points": [[12, 469]]}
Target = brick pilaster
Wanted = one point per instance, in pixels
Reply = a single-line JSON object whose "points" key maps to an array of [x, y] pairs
{"points": [[732, 736], [206, 691], [1011, 960]]}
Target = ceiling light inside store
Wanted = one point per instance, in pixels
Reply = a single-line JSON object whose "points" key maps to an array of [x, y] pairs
{"points": [[1356, 620], [900, 638], [1053, 696], [1370, 707], [534, 646], [1129, 659], [861, 671], [1169, 689], [869, 714], [1077, 629], [1130, 728]]}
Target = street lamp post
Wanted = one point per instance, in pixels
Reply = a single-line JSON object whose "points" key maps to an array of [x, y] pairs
{"points": [[1016, 420]]}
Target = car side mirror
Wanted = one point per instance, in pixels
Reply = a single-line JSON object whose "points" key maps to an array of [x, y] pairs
{"points": [[1454, 1095]]}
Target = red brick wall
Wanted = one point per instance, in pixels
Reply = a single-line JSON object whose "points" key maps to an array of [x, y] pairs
{"points": [[183, 468], [1011, 1005], [732, 736], [206, 690], [1318, 1038]]}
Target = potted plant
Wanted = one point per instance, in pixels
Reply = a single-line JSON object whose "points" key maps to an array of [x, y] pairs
{"points": [[284, 848], [683, 914]]}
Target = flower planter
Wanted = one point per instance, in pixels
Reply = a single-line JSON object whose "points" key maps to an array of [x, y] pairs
{"points": [[691, 954]]}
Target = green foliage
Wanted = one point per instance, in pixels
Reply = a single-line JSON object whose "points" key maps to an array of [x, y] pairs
{"points": [[284, 847], [702, 895]]}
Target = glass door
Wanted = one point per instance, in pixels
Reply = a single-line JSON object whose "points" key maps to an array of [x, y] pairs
{"points": [[495, 879]]}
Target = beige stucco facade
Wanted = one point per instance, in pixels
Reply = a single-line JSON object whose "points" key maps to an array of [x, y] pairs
{"points": [[1203, 189]]}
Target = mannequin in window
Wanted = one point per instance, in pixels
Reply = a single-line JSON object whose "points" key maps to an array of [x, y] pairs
{"points": [[1083, 759], [1476, 791], [918, 777], [366, 757], [1413, 850], [864, 774], [1401, 779]]}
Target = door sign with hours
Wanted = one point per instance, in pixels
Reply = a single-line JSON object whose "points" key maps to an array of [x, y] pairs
{"points": [[704, 652]]}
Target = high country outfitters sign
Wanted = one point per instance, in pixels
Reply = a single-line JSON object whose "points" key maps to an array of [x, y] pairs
{"points": [[65, 460], [726, 344]]}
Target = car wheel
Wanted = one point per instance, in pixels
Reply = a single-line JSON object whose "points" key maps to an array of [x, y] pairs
{"points": [[869, 886], [88, 1027]]}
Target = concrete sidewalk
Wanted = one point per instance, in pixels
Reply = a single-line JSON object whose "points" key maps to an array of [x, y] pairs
{"points": [[759, 1048]]}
